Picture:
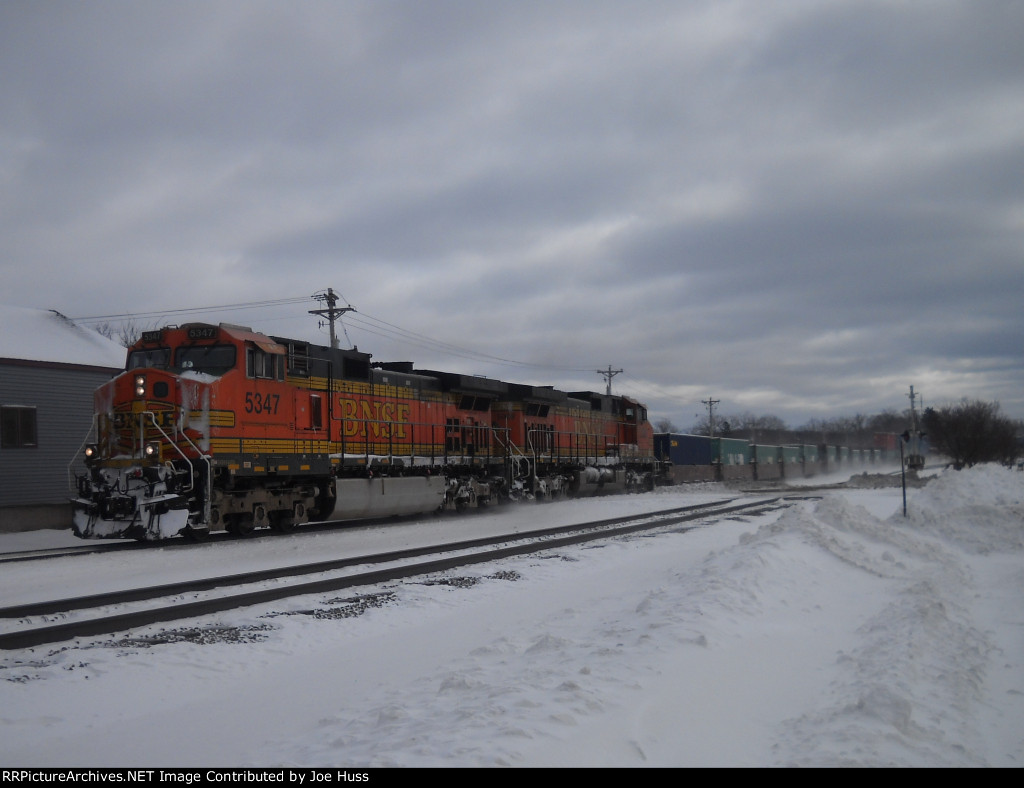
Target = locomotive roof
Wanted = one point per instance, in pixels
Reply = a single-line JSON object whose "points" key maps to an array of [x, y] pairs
{"points": [[245, 334], [539, 394], [467, 384], [240, 333]]}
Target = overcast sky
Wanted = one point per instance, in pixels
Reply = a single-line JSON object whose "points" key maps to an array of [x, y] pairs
{"points": [[796, 207]]}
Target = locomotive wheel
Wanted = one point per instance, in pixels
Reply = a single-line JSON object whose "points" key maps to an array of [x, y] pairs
{"points": [[239, 525], [282, 523], [195, 534]]}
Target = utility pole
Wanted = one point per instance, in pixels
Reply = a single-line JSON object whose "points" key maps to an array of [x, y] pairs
{"points": [[332, 312], [711, 414], [609, 374]]}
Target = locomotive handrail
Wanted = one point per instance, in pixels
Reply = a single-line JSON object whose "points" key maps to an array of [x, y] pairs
{"points": [[92, 427], [209, 470], [512, 452], [558, 451], [439, 436]]}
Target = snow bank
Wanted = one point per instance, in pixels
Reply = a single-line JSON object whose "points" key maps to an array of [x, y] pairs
{"points": [[833, 633], [980, 509]]}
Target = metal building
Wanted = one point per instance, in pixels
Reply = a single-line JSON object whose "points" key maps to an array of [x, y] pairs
{"points": [[49, 368]]}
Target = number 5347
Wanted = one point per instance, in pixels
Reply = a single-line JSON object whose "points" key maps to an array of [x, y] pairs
{"points": [[257, 403]]}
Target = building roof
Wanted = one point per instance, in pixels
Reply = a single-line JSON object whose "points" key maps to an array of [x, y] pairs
{"points": [[48, 336]]}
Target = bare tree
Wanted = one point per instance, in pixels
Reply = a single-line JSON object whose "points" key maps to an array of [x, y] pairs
{"points": [[126, 334], [757, 429], [971, 432], [664, 425]]}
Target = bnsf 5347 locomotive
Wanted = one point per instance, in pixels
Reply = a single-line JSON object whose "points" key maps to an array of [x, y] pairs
{"points": [[215, 428]]}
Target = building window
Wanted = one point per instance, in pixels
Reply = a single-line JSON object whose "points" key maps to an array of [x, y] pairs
{"points": [[17, 427]]}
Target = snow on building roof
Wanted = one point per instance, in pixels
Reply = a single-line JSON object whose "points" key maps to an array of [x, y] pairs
{"points": [[47, 335]]}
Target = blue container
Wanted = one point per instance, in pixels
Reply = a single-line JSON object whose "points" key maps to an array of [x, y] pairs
{"points": [[683, 449]]}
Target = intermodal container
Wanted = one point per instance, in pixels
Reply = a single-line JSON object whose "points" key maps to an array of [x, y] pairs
{"points": [[683, 449], [730, 451]]}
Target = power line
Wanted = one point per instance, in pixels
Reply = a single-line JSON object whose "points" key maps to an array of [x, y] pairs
{"points": [[367, 323], [648, 392], [382, 328], [379, 327], [608, 374], [191, 310], [331, 312]]}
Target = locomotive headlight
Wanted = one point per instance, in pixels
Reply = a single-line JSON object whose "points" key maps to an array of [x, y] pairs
{"points": [[140, 385], [151, 449], [92, 451]]}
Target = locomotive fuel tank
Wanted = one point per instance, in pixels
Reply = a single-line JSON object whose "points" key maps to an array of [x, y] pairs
{"points": [[390, 496]]}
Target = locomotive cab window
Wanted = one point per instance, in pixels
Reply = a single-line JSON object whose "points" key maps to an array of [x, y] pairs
{"points": [[261, 364], [209, 359], [152, 358]]}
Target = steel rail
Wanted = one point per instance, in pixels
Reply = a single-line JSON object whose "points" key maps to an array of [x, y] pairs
{"points": [[535, 541]]}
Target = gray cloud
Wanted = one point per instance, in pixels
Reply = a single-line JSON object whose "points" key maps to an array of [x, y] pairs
{"points": [[800, 208]]}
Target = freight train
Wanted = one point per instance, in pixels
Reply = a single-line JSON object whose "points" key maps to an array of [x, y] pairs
{"points": [[700, 458], [222, 428]]}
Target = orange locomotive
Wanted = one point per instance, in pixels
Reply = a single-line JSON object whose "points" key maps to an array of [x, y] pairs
{"points": [[222, 428]]}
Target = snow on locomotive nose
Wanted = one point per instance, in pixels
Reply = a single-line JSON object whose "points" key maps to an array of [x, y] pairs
{"points": [[128, 489]]}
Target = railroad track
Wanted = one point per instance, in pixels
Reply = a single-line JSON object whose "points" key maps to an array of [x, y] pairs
{"points": [[338, 574], [62, 552], [179, 543]]}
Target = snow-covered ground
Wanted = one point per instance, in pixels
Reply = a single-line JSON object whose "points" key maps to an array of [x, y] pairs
{"points": [[835, 633]]}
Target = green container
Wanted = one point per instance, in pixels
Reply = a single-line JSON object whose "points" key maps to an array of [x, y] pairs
{"points": [[730, 451]]}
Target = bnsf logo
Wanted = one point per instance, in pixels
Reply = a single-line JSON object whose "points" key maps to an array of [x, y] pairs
{"points": [[166, 419]]}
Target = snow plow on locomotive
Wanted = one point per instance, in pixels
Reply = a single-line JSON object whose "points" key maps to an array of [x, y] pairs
{"points": [[220, 428]]}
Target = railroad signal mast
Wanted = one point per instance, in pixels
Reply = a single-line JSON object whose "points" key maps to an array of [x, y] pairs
{"points": [[912, 437]]}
